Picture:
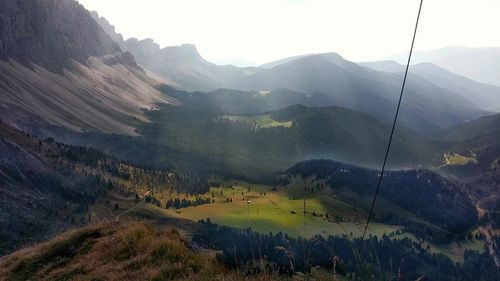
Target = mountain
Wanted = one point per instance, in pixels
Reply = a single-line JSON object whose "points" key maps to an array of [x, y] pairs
{"points": [[431, 107], [48, 34], [179, 66], [485, 96], [59, 69], [258, 145], [282, 61], [427, 106], [476, 63], [384, 65]]}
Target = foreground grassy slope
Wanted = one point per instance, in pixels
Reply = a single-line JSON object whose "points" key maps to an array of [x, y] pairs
{"points": [[113, 252], [127, 251]]}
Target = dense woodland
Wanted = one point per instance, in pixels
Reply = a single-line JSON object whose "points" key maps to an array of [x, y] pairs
{"points": [[195, 138]]}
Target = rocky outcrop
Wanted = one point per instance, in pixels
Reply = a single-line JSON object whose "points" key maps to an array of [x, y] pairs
{"points": [[125, 58], [50, 33]]}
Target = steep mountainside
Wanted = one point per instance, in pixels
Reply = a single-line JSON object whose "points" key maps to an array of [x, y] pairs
{"points": [[50, 33], [46, 187], [41, 194], [58, 68]]}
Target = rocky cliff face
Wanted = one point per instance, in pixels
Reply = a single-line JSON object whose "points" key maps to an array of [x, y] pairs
{"points": [[58, 67], [50, 33]]}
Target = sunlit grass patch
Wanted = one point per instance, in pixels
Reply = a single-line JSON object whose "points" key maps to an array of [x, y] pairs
{"points": [[258, 121], [455, 159]]}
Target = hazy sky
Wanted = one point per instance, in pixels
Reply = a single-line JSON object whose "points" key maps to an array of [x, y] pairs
{"points": [[260, 31]]}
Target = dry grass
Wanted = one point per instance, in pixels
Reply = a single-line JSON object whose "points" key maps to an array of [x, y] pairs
{"points": [[133, 251]]}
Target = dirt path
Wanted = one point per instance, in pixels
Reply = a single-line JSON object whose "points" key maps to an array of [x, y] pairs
{"points": [[135, 207]]}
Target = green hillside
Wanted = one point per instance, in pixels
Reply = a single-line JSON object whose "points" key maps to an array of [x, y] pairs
{"points": [[262, 144]]}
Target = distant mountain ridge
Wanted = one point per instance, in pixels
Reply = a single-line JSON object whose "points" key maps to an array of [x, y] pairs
{"points": [[360, 88], [179, 66], [480, 64], [485, 96], [430, 105]]}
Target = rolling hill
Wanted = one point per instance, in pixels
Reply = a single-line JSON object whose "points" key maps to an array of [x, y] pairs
{"points": [[263, 143]]}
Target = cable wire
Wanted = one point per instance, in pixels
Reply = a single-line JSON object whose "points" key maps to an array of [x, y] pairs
{"points": [[394, 123]]}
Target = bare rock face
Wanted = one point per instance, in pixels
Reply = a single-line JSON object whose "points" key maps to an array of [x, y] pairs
{"points": [[59, 68], [144, 50], [108, 28], [50, 33], [125, 58]]}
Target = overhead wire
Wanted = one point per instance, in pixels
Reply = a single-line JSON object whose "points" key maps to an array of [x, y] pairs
{"points": [[381, 175]]}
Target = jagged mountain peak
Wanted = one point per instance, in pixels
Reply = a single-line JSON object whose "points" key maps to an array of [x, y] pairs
{"points": [[184, 53]]}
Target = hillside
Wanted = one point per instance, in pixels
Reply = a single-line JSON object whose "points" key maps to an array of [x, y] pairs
{"points": [[113, 252], [213, 140], [47, 187], [479, 140], [424, 194], [58, 68]]}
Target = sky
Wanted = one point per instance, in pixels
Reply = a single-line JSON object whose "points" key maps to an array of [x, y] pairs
{"points": [[245, 32]]}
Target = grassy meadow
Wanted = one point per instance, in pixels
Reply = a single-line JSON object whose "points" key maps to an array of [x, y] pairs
{"points": [[273, 209]]}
